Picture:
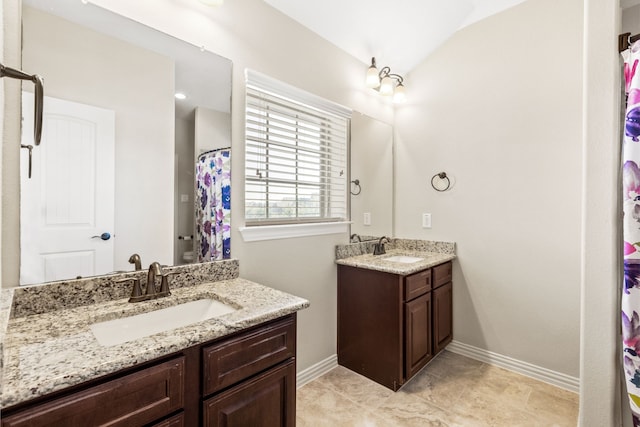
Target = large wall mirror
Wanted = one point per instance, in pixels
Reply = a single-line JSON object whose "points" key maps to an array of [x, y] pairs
{"points": [[116, 171], [371, 177]]}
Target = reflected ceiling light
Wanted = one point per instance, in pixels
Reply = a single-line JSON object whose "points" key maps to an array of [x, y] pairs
{"points": [[212, 2], [180, 95], [385, 82]]}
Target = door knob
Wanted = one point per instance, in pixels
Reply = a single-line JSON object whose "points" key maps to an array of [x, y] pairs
{"points": [[103, 236]]}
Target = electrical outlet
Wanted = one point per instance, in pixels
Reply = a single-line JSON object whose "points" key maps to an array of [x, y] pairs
{"points": [[367, 218], [184, 197], [426, 220]]}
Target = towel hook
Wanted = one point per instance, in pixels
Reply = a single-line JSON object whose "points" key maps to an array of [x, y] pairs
{"points": [[39, 95], [356, 182], [442, 176]]}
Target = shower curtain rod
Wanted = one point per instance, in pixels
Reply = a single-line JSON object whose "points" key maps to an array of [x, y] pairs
{"points": [[213, 151], [625, 40]]}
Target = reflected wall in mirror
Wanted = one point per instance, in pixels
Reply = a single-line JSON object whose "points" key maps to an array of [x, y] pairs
{"points": [[136, 173], [372, 166]]}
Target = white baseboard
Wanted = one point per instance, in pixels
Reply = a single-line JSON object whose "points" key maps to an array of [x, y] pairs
{"points": [[557, 379], [314, 371]]}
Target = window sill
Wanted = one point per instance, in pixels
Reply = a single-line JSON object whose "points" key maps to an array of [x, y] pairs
{"points": [[273, 232]]}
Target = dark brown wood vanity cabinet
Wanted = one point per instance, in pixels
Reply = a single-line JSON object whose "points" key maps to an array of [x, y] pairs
{"points": [[246, 379], [390, 326]]}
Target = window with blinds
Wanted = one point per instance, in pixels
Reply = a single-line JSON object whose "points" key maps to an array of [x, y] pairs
{"points": [[296, 155]]}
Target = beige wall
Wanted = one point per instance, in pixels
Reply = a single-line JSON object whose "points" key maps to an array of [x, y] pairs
{"points": [[600, 389], [2, 59], [66, 55], [212, 130], [498, 108], [11, 146], [630, 20], [184, 184]]}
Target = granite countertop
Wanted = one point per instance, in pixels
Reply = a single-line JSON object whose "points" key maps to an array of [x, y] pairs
{"points": [[53, 350], [380, 263]]}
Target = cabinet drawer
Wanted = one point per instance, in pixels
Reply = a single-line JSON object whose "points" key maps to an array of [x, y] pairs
{"points": [[442, 274], [233, 360], [135, 399], [417, 284]]}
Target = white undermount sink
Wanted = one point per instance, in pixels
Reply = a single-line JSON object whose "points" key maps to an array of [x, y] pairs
{"points": [[404, 259], [118, 331]]}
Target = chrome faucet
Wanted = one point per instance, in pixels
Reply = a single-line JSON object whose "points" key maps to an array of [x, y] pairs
{"points": [[135, 259], [378, 248]]}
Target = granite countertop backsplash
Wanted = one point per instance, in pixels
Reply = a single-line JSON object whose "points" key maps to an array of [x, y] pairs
{"points": [[361, 255], [47, 344]]}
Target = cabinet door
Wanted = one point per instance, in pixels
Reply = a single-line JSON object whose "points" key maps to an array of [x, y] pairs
{"points": [[267, 400], [442, 316], [418, 334]]}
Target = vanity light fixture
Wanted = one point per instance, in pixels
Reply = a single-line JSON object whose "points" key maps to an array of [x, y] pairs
{"points": [[386, 82], [180, 95]]}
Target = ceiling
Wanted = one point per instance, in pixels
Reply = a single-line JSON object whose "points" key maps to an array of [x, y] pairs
{"points": [[399, 33], [194, 67]]}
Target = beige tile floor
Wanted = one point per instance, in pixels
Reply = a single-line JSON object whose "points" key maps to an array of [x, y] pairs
{"points": [[452, 390]]}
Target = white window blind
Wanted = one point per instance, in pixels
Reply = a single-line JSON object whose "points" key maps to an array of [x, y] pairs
{"points": [[295, 155]]}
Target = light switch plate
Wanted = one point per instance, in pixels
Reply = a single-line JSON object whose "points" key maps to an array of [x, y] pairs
{"points": [[426, 220], [367, 218]]}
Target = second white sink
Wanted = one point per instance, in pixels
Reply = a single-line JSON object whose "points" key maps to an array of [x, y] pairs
{"points": [[119, 331], [404, 259]]}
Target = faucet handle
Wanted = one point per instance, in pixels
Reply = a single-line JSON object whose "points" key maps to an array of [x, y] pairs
{"points": [[136, 290], [164, 283]]}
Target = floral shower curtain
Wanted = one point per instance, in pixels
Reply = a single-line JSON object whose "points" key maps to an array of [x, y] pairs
{"points": [[631, 230], [213, 205]]}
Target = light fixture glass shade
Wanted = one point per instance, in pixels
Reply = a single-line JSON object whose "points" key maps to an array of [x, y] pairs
{"points": [[399, 94], [372, 79], [386, 86]]}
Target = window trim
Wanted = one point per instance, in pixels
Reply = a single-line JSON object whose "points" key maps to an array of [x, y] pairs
{"points": [[256, 233]]}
